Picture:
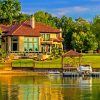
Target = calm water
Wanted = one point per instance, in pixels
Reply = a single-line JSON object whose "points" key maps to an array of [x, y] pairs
{"points": [[49, 88]]}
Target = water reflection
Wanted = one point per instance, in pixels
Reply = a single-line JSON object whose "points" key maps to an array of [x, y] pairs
{"points": [[49, 88]]}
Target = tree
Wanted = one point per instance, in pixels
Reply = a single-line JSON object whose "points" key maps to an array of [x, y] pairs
{"points": [[96, 28], [9, 9], [46, 18], [83, 38], [67, 26], [21, 18], [78, 41], [84, 41], [81, 25]]}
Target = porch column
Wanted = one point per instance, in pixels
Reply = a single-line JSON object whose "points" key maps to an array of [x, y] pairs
{"points": [[40, 50], [21, 44], [9, 44]]}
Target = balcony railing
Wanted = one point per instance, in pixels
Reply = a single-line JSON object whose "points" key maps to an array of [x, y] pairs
{"points": [[48, 41]]}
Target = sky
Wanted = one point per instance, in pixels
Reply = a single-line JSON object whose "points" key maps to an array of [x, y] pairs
{"points": [[86, 9]]}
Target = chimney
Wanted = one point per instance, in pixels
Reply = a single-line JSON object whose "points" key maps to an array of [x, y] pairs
{"points": [[32, 22]]}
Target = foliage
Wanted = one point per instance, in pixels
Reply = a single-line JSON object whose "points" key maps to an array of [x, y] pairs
{"points": [[10, 12], [96, 28], [56, 52], [45, 17], [78, 40], [2, 53], [22, 17], [81, 25], [83, 38], [84, 41], [67, 26]]}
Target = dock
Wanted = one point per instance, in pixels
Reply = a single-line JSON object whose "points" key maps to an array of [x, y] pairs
{"points": [[77, 74], [95, 74]]}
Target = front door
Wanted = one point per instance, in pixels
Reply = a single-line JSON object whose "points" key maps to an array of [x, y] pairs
{"points": [[15, 46]]}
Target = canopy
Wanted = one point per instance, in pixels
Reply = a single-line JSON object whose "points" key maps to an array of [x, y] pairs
{"points": [[71, 53]]}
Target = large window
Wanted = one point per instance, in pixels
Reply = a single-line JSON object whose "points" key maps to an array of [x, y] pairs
{"points": [[31, 44], [14, 43], [46, 37]]}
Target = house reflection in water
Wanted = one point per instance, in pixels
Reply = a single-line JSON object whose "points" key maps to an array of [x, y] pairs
{"points": [[30, 88]]}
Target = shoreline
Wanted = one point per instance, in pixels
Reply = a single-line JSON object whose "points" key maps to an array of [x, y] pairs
{"points": [[22, 73]]}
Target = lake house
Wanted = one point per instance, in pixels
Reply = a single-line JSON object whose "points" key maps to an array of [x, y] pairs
{"points": [[31, 37]]}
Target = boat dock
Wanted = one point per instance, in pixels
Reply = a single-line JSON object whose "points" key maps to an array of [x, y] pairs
{"points": [[77, 74]]}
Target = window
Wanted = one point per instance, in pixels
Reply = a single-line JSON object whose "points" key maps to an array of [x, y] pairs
{"points": [[36, 42], [6, 43], [43, 36], [14, 43], [46, 37], [31, 44], [45, 48]]}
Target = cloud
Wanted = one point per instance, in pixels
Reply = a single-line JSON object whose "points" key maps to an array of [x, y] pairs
{"points": [[80, 9], [76, 9]]}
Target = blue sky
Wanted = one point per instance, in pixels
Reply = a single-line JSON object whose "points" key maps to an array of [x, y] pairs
{"points": [[71, 8]]}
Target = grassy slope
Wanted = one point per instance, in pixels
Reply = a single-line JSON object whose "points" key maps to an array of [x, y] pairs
{"points": [[94, 61]]}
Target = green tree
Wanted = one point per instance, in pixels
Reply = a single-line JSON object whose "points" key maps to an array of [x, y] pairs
{"points": [[83, 38], [67, 26], [96, 28], [81, 25], [84, 41], [9, 9], [21, 18], [46, 18]]}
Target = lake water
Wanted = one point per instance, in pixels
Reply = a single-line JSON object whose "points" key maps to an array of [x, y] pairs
{"points": [[49, 88]]}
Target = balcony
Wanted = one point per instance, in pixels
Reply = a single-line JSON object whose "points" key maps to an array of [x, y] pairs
{"points": [[45, 41]]}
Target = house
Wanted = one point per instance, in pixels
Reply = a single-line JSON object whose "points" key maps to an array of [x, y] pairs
{"points": [[31, 37]]}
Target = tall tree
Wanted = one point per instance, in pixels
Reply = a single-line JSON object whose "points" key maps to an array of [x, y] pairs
{"points": [[83, 38], [46, 18], [9, 9], [96, 28], [84, 41], [67, 25], [81, 25]]}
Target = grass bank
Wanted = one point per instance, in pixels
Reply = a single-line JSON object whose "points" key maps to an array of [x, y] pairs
{"points": [[93, 60]]}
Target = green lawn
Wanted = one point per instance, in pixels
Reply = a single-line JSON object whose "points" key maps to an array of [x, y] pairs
{"points": [[93, 60], [37, 64]]}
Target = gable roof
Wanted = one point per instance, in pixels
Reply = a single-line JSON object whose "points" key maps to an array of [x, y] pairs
{"points": [[25, 29]]}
